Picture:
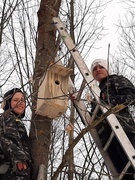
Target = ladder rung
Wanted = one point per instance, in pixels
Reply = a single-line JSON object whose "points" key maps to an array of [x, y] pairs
{"points": [[124, 170], [109, 141], [95, 112]]}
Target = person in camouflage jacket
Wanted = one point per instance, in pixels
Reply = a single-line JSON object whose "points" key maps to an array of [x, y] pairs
{"points": [[15, 156], [115, 90]]}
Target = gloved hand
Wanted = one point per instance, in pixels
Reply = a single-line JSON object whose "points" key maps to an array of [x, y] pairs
{"points": [[21, 166]]}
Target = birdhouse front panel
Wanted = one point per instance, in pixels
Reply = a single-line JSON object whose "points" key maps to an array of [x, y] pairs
{"points": [[53, 93]]}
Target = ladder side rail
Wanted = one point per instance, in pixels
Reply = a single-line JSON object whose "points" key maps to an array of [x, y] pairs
{"points": [[124, 170], [81, 109], [72, 49], [116, 130], [122, 138], [119, 132], [77, 57], [85, 116], [87, 119], [78, 104]]}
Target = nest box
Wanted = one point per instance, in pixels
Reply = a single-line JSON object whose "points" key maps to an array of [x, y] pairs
{"points": [[52, 95]]}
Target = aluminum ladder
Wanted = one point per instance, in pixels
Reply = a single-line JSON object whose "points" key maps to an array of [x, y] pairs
{"points": [[116, 129]]}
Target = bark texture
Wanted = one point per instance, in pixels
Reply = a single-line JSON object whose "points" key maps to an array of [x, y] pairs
{"points": [[45, 53]]}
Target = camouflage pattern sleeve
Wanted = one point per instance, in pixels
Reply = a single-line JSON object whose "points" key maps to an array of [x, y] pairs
{"points": [[11, 142], [125, 91], [117, 90]]}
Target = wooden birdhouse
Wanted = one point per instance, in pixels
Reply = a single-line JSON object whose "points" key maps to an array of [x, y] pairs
{"points": [[52, 96]]}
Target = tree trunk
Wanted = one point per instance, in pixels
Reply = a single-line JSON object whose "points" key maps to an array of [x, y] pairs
{"points": [[71, 136], [45, 53]]}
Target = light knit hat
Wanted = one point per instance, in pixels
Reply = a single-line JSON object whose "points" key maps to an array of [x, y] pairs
{"points": [[101, 62]]}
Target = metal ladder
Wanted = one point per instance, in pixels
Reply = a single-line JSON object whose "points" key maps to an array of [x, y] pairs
{"points": [[116, 129]]}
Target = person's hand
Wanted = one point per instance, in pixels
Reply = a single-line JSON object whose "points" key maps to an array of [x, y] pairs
{"points": [[21, 166], [72, 97]]}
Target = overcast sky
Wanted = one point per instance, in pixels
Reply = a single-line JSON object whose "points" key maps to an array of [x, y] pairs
{"points": [[113, 11]]}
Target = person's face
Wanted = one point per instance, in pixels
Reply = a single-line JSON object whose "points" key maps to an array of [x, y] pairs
{"points": [[99, 73], [18, 103]]}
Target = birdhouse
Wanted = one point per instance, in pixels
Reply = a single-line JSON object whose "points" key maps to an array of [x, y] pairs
{"points": [[52, 95]]}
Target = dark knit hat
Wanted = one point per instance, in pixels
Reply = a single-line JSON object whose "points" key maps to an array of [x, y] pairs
{"points": [[8, 97]]}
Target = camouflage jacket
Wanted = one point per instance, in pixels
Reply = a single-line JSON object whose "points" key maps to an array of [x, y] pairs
{"points": [[14, 141], [119, 90]]}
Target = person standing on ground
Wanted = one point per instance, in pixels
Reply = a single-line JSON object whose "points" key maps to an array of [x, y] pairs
{"points": [[15, 156]]}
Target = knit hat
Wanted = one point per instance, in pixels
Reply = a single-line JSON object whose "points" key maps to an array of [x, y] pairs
{"points": [[101, 62], [6, 104]]}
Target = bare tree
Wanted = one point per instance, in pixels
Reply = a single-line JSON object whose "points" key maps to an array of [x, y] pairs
{"points": [[68, 167], [124, 59], [50, 143], [45, 55], [7, 9]]}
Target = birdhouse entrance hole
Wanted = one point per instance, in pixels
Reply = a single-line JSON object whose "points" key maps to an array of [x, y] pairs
{"points": [[57, 82]]}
